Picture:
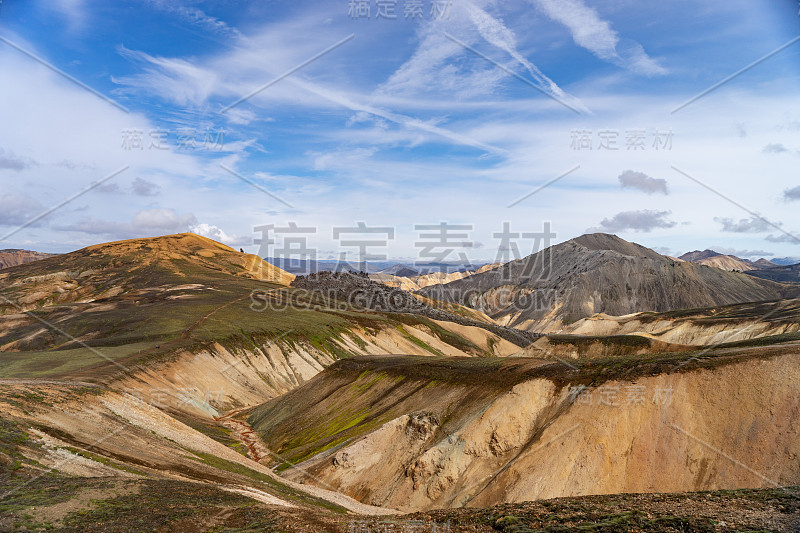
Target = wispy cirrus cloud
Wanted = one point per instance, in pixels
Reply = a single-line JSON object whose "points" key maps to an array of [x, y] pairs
{"points": [[500, 36], [194, 16], [436, 65], [596, 35], [175, 80]]}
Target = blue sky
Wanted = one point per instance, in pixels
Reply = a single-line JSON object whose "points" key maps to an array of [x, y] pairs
{"points": [[459, 117]]}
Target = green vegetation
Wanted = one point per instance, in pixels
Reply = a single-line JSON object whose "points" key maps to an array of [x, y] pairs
{"points": [[12, 437], [61, 362], [600, 523], [419, 342], [634, 341], [446, 336], [157, 506], [106, 461], [214, 431], [148, 325], [272, 485], [23, 492], [775, 311]]}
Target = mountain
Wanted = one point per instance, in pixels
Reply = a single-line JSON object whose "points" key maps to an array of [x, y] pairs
{"points": [[415, 282], [480, 432], [598, 273], [176, 384], [400, 270], [9, 258], [779, 273], [362, 292], [104, 310], [697, 255], [702, 326], [725, 262], [311, 266], [126, 362], [764, 263], [785, 260], [116, 268]]}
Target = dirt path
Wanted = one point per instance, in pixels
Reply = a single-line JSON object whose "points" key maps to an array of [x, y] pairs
{"points": [[200, 322]]}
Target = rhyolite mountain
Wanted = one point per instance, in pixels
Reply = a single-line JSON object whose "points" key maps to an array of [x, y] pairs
{"points": [[725, 262], [176, 384], [599, 273], [14, 257]]}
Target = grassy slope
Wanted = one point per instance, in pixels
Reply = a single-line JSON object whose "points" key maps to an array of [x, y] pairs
{"points": [[149, 318]]}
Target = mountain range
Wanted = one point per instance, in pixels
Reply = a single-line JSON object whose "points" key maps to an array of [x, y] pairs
{"points": [[176, 384], [599, 273], [725, 262]]}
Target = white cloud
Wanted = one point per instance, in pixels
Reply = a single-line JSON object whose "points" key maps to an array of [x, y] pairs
{"points": [[173, 80], [239, 116], [745, 225], [596, 35], [642, 182], [644, 220], [74, 12], [195, 16], [774, 148], [435, 66], [789, 238], [741, 253], [10, 161], [496, 34], [17, 209], [792, 194], [217, 234], [142, 187], [145, 223]]}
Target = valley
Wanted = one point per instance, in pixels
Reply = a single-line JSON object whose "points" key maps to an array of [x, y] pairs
{"points": [[178, 370]]}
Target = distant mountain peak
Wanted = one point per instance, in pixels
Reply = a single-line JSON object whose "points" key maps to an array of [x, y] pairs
{"points": [[600, 273], [697, 255], [14, 257]]}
